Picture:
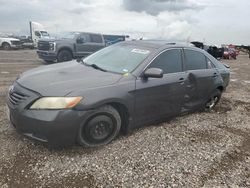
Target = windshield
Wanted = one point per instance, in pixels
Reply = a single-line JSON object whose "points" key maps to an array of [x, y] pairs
{"points": [[117, 58], [68, 35], [45, 34]]}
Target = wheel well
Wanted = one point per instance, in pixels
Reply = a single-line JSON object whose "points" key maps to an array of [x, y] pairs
{"points": [[124, 114], [5, 43], [220, 88], [65, 48]]}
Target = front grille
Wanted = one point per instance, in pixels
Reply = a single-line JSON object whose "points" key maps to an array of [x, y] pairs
{"points": [[16, 97], [16, 42], [42, 45]]}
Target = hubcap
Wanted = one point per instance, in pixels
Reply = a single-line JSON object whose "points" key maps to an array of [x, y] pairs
{"points": [[6, 47], [65, 58], [100, 130], [212, 102]]}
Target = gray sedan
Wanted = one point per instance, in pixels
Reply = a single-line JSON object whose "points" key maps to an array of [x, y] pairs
{"points": [[114, 90]]}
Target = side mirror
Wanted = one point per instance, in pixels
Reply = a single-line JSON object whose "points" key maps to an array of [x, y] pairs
{"points": [[80, 40], [153, 73], [227, 66]]}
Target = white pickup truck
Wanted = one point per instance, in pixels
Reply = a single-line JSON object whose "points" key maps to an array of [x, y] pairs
{"points": [[7, 43]]}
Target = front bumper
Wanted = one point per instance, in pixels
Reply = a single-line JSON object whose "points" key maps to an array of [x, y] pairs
{"points": [[47, 55], [55, 127]]}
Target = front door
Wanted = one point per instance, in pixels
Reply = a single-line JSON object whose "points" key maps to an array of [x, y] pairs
{"points": [[158, 98]]}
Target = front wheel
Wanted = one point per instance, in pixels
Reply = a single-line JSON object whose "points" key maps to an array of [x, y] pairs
{"points": [[49, 61], [64, 55], [101, 128], [213, 100], [6, 46]]}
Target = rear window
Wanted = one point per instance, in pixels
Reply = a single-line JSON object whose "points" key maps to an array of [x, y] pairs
{"points": [[210, 64], [96, 38], [195, 60]]}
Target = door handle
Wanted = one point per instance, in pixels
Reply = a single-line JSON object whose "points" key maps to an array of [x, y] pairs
{"points": [[181, 80], [215, 75]]}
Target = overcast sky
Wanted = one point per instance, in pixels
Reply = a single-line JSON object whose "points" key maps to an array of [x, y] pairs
{"points": [[215, 22]]}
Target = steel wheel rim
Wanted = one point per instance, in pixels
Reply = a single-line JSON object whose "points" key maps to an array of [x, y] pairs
{"points": [[106, 128], [212, 102], [101, 130]]}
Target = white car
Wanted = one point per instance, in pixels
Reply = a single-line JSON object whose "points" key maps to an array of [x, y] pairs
{"points": [[10, 43]]}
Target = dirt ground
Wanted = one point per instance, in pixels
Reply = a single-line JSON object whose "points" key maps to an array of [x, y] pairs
{"points": [[203, 149]]}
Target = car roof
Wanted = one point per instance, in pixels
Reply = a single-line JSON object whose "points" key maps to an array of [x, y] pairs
{"points": [[81, 32], [158, 43]]}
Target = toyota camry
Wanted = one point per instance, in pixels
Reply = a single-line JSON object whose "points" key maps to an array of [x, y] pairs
{"points": [[115, 90]]}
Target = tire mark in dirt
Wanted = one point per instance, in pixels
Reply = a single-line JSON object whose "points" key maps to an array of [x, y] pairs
{"points": [[238, 154]]}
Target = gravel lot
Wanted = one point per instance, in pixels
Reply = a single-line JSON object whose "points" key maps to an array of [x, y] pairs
{"points": [[205, 149]]}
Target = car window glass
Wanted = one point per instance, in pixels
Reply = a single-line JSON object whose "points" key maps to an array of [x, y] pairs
{"points": [[84, 38], [37, 33], [210, 65], [96, 38], [195, 60], [169, 61], [116, 58]]}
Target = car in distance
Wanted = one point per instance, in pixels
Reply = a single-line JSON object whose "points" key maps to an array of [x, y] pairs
{"points": [[70, 45], [8, 43], [114, 90], [230, 53]]}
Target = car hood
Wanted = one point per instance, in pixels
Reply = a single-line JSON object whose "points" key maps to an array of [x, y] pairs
{"points": [[64, 78], [55, 40], [9, 39]]}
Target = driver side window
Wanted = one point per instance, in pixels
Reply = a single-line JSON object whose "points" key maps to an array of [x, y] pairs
{"points": [[37, 33], [169, 61], [83, 38]]}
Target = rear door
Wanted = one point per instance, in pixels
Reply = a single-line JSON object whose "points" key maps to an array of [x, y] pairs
{"points": [[97, 42], [161, 97], [201, 79], [82, 46]]}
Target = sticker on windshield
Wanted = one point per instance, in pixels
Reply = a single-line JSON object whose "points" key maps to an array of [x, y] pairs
{"points": [[125, 70], [140, 51]]}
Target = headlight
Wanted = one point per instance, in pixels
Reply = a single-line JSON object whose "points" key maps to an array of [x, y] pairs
{"points": [[56, 103], [52, 46]]}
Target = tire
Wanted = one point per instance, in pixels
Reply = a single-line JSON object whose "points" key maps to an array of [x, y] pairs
{"points": [[213, 100], [6, 46], [64, 55], [49, 62], [101, 128]]}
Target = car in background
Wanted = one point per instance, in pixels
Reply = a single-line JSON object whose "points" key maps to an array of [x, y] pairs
{"points": [[216, 52], [112, 39], [213, 50], [229, 53], [25, 40], [70, 45], [8, 43], [115, 90]]}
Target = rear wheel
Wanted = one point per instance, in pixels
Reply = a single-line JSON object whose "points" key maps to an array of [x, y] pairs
{"points": [[64, 55], [101, 128], [48, 61], [213, 100], [6, 46]]}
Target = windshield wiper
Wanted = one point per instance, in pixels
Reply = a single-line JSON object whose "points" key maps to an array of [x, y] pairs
{"points": [[91, 65], [97, 67]]}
